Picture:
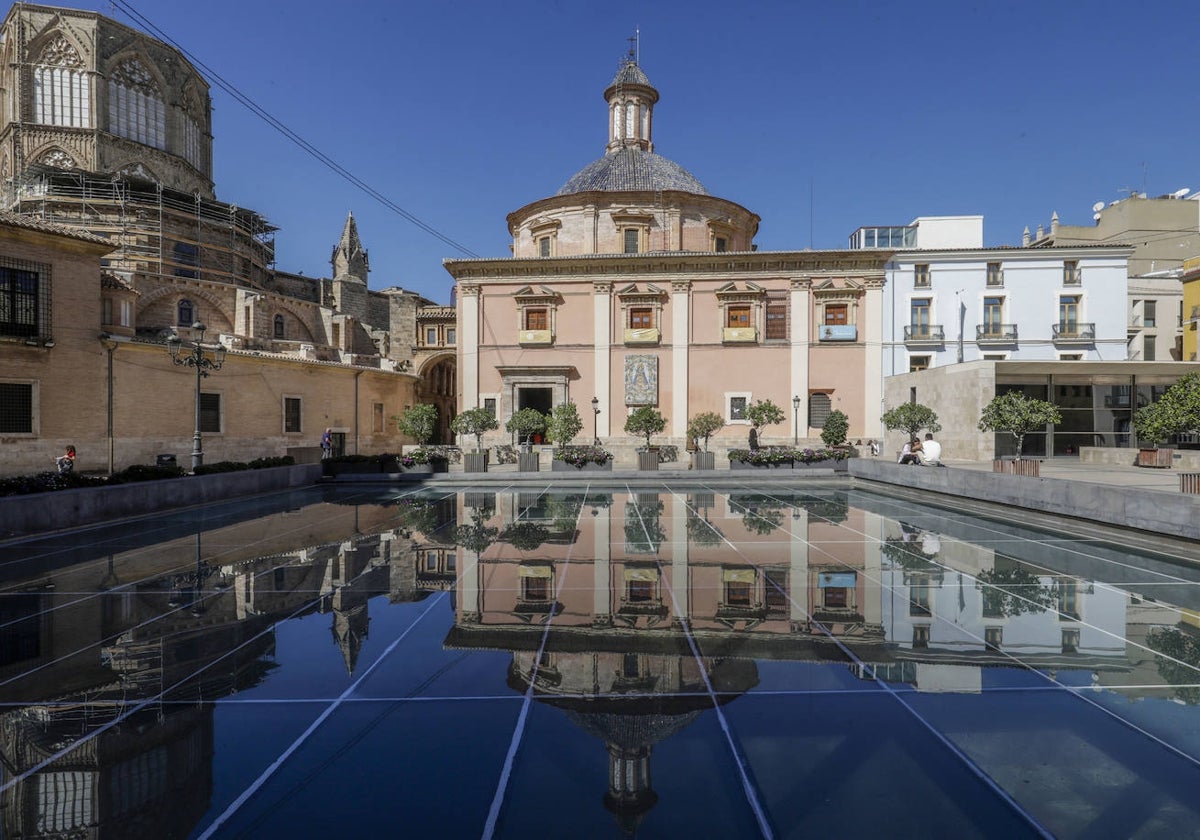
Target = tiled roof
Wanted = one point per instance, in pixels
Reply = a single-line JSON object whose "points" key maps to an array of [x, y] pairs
{"points": [[632, 170], [34, 223], [108, 280], [630, 74]]}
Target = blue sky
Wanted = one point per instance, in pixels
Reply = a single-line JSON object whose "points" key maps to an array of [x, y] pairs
{"points": [[872, 113]]}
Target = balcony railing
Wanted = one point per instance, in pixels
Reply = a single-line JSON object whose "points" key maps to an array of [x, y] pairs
{"points": [[996, 334], [924, 334], [1072, 277], [1073, 331], [642, 335], [838, 332], [739, 335], [995, 279]]}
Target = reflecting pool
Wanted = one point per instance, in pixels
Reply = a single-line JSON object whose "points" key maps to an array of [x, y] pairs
{"points": [[615, 661]]}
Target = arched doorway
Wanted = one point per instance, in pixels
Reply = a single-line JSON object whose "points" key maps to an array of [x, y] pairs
{"points": [[439, 387]]}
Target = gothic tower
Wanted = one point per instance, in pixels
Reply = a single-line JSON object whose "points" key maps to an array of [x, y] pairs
{"points": [[350, 268]]}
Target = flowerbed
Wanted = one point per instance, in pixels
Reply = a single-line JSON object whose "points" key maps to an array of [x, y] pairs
{"points": [[777, 456], [49, 482], [578, 456]]}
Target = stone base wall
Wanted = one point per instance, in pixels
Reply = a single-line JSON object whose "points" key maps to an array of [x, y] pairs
{"points": [[1184, 459]]}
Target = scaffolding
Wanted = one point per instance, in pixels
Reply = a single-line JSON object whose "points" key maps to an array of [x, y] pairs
{"points": [[155, 230]]}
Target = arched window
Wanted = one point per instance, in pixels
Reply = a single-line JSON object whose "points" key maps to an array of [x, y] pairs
{"points": [[279, 326], [187, 314], [62, 88], [135, 106]]}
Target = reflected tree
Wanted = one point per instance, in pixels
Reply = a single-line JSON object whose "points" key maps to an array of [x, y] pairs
{"points": [[643, 531], [476, 536], [1182, 669], [526, 536], [1014, 590]]}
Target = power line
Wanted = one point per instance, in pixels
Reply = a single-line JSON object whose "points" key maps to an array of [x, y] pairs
{"points": [[291, 135]]}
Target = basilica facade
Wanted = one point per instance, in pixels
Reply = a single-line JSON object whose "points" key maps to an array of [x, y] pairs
{"points": [[633, 285]]}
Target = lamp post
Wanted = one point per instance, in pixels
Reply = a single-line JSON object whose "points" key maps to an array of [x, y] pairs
{"points": [[110, 344], [195, 358], [595, 421], [796, 420]]}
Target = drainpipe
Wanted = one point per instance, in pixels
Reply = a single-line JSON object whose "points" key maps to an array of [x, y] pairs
{"points": [[357, 374], [110, 344]]}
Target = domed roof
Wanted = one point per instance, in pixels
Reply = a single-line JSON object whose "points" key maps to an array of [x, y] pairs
{"points": [[632, 169], [631, 74]]}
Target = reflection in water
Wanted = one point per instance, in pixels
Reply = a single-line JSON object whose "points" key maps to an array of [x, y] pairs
{"points": [[633, 614]]}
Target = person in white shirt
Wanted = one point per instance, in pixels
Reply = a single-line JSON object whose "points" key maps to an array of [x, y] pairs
{"points": [[930, 453]]}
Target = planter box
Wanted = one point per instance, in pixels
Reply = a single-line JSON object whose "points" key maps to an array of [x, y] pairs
{"points": [[417, 469], [1161, 458], [648, 460], [837, 465], [528, 462], [735, 464], [1025, 466], [590, 466], [332, 468], [704, 460], [439, 465], [475, 462]]}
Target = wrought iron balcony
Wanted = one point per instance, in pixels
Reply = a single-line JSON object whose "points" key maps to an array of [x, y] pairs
{"points": [[996, 334], [1073, 331], [924, 334]]}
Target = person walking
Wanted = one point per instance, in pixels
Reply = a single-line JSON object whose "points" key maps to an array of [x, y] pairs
{"points": [[327, 444]]}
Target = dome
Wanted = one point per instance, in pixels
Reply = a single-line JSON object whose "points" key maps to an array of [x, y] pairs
{"points": [[630, 74], [632, 169]]}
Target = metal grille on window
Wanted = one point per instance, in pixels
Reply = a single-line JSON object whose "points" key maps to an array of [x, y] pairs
{"points": [[776, 320], [16, 408], [631, 240], [819, 406], [291, 414], [24, 299], [210, 413]]}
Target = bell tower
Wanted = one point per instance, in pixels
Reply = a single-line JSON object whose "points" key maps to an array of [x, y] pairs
{"points": [[630, 100]]}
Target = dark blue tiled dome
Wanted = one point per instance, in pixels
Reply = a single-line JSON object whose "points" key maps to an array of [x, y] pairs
{"points": [[632, 170], [630, 74]]}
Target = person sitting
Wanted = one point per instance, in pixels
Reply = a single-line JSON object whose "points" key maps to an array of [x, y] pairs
{"points": [[910, 454], [66, 461], [930, 454]]}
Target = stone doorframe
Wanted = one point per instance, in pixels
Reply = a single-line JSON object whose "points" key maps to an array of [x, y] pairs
{"points": [[513, 378]]}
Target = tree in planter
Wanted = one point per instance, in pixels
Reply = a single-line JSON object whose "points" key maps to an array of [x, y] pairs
{"points": [[1017, 414], [704, 425], [911, 418], [563, 424], [763, 413], [474, 421], [419, 422], [1177, 410], [836, 427], [645, 420], [526, 423]]}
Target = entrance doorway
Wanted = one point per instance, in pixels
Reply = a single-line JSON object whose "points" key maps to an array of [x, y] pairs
{"points": [[540, 398]]}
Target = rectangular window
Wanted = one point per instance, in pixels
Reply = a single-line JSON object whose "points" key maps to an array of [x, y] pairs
{"points": [[631, 240], [920, 636], [1071, 357], [993, 315], [535, 319], [1071, 273], [720, 245], [489, 405], [544, 246], [641, 318], [737, 316], [291, 415], [639, 591], [777, 321], [995, 277], [18, 302], [377, 418], [535, 589], [431, 335], [916, 363], [451, 335], [837, 313], [819, 408], [106, 311], [1068, 313], [1150, 313], [775, 591], [921, 276], [993, 637], [737, 593], [737, 408], [16, 408], [210, 413], [1148, 354], [835, 597], [919, 317], [1070, 640]]}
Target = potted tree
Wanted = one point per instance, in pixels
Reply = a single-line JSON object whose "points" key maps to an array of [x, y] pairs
{"points": [[646, 420], [561, 428], [419, 422], [525, 424], [837, 426], [1177, 410], [911, 418], [762, 413], [700, 428], [1018, 415], [474, 421]]}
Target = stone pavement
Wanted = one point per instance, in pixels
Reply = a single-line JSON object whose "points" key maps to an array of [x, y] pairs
{"points": [[1071, 469]]}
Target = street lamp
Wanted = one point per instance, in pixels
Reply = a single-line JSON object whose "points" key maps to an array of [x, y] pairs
{"points": [[595, 421], [796, 420], [195, 358]]}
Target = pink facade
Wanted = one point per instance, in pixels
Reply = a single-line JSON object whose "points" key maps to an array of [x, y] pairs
{"points": [[634, 286]]}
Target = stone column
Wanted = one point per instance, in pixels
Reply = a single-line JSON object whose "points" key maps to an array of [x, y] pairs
{"points": [[800, 303], [602, 568], [680, 320], [601, 357], [468, 353], [871, 326], [798, 570], [872, 608]]}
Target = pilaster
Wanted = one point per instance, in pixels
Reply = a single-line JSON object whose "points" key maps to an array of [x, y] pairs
{"points": [[680, 319], [800, 304], [872, 328], [602, 355], [468, 355]]}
